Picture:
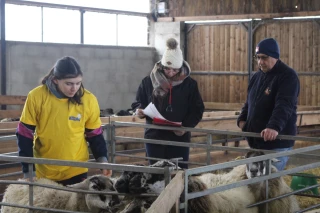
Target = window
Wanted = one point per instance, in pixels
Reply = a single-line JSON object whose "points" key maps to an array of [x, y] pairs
{"points": [[26, 27], [35, 23], [100, 28], [132, 30], [61, 26]]}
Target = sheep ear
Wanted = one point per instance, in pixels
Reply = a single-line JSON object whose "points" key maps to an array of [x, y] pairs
{"points": [[82, 185], [248, 154]]}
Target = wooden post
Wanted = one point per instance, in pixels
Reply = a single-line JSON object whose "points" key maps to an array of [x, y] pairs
{"points": [[169, 196]]}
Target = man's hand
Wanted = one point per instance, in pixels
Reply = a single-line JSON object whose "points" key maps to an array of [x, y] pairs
{"points": [[269, 134], [107, 172], [140, 114], [241, 124]]}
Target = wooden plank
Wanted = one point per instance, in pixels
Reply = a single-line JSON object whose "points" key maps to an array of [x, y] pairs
{"points": [[169, 195], [9, 125], [221, 124], [222, 83], [127, 119], [10, 113], [219, 113], [227, 63], [310, 119], [190, 48], [306, 108], [216, 62], [217, 52], [206, 57], [232, 63], [238, 106], [223, 106], [12, 100], [237, 50]]}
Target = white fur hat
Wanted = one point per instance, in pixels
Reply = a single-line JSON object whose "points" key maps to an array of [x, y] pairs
{"points": [[172, 57]]}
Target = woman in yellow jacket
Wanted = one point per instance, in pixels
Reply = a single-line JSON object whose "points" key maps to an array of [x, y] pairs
{"points": [[58, 118]]}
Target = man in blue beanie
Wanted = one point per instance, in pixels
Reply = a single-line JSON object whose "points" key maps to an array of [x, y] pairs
{"points": [[271, 106]]}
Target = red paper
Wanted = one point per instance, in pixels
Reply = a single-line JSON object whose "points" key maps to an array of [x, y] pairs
{"points": [[164, 122]]}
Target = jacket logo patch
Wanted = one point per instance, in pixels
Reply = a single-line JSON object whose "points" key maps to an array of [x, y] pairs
{"points": [[267, 91], [73, 118], [169, 62]]}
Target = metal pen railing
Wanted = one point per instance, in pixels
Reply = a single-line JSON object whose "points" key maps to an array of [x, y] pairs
{"points": [[209, 146]]}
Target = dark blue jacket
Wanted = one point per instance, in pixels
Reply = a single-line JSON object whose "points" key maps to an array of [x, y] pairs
{"points": [[187, 107], [272, 103]]}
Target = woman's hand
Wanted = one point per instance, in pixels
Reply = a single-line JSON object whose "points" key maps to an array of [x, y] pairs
{"points": [[140, 114], [241, 124], [107, 172], [179, 132]]}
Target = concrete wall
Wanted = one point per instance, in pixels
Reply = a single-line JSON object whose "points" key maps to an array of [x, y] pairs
{"points": [[166, 30], [112, 73]]}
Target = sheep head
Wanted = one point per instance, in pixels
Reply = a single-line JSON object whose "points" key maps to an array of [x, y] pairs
{"points": [[122, 183], [257, 169], [96, 202], [137, 182]]}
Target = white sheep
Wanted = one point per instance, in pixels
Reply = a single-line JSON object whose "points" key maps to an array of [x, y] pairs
{"points": [[128, 182], [58, 199], [277, 187], [234, 200]]}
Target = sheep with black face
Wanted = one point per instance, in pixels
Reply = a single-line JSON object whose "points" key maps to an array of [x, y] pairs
{"points": [[277, 187], [139, 183]]}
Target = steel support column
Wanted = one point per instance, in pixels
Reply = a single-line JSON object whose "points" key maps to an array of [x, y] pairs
{"points": [[3, 48], [81, 27], [249, 50]]}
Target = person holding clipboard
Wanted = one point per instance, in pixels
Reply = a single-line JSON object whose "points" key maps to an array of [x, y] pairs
{"points": [[176, 97]]}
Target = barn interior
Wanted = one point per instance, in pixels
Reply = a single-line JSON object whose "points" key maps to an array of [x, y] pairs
{"points": [[217, 38]]}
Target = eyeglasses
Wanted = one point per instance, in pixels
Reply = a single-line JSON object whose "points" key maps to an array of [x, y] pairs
{"points": [[263, 57]]}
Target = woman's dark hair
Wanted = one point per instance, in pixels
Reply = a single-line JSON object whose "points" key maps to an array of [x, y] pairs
{"points": [[66, 67]]}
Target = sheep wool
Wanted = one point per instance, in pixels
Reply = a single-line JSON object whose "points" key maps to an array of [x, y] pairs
{"points": [[58, 199], [234, 200]]}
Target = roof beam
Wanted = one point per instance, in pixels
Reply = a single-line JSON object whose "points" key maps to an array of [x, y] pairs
{"points": [[72, 7], [238, 16]]}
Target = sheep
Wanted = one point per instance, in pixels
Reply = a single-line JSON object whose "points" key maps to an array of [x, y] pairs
{"points": [[138, 183], [277, 187], [234, 200], [96, 203], [58, 199]]}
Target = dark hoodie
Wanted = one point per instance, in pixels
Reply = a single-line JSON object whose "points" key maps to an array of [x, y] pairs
{"points": [[272, 103]]}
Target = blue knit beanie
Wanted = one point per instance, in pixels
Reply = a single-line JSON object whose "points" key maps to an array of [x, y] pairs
{"points": [[270, 47]]}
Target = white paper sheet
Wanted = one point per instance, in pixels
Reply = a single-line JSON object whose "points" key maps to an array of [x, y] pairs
{"points": [[152, 112]]}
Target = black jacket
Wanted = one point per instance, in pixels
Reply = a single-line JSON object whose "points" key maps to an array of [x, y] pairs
{"points": [[272, 103], [187, 107]]}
